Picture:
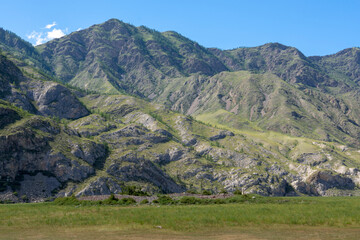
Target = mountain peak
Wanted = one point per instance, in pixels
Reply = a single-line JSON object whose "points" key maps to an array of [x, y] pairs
{"points": [[275, 45]]}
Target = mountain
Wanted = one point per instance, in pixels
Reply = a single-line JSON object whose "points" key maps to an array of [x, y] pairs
{"points": [[342, 65], [115, 106], [170, 69], [115, 56], [287, 63]]}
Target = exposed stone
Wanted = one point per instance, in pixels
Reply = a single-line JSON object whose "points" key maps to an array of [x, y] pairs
{"points": [[89, 151], [324, 180], [312, 159], [101, 186], [38, 187], [132, 168], [7, 116], [221, 135]]}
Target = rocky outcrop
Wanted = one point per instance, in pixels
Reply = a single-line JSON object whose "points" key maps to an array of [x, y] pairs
{"points": [[171, 155], [35, 158], [37, 187], [89, 151], [221, 135], [101, 186], [41, 97], [53, 99], [324, 180], [7, 116], [130, 167], [182, 124], [92, 125], [312, 159]]}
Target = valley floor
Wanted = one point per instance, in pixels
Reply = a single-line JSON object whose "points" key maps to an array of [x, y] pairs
{"points": [[293, 218]]}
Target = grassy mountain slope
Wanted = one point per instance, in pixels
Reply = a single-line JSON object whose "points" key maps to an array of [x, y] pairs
{"points": [[264, 101]]}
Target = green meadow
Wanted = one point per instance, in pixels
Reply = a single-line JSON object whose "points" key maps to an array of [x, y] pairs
{"points": [[268, 218]]}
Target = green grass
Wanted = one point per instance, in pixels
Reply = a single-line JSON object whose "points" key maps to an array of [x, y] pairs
{"points": [[337, 215]]}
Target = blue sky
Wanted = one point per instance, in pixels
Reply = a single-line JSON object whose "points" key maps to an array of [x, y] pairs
{"points": [[316, 27]]}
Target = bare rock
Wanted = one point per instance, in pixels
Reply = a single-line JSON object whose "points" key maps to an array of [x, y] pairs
{"points": [[221, 135], [101, 186], [324, 180], [53, 99]]}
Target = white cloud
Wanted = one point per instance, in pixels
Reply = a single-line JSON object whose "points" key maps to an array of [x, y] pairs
{"points": [[49, 26], [37, 37], [55, 33], [79, 29], [42, 37]]}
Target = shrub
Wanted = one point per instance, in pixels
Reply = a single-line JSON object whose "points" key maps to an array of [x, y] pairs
{"points": [[112, 197], [223, 191], [165, 200], [192, 191], [67, 201], [127, 201], [133, 190], [237, 192], [24, 198], [111, 200], [190, 200], [206, 192], [219, 201], [145, 201]]}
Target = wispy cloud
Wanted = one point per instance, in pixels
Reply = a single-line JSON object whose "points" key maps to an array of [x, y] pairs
{"points": [[37, 37], [47, 35], [49, 26]]}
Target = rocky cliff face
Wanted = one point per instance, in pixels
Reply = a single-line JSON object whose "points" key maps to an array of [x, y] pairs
{"points": [[36, 96], [35, 159]]}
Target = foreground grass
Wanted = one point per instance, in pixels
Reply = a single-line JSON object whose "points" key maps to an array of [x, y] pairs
{"points": [[318, 218]]}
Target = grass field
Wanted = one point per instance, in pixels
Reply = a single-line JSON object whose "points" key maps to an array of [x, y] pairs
{"points": [[285, 218]]}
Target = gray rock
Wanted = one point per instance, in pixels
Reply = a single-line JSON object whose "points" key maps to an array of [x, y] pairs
{"points": [[132, 168], [303, 188], [7, 116], [221, 135], [128, 131], [173, 154], [53, 99], [324, 180], [27, 150], [101, 186], [164, 133], [312, 159], [38, 187], [89, 151]]}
